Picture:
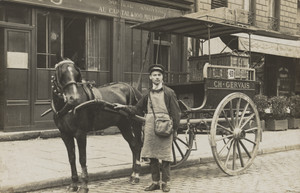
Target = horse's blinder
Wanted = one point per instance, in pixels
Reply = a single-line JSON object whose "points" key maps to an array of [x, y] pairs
{"points": [[58, 88]]}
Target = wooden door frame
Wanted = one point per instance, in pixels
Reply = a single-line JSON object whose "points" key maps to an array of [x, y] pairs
{"points": [[30, 68]]}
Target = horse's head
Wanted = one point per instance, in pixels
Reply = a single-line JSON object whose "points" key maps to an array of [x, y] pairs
{"points": [[67, 78]]}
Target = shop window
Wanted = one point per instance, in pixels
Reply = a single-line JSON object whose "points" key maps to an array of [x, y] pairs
{"points": [[134, 57], [218, 3], [98, 44], [48, 39], [168, 51], [85, 40], [15, 14]]}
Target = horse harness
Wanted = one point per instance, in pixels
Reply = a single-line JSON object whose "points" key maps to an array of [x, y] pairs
{"points": [[58, 89]]}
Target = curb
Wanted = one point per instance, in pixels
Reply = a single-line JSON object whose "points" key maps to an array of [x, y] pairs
{"points": [[45, 134], [17, 136], [123, 171]]}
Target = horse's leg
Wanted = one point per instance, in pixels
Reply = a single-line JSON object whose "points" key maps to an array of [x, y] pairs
{"points": [[81, 142], [69, 143], [131, 137], [136, 150]]}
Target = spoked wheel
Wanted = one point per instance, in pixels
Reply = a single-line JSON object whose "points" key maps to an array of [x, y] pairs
{"points": [[182, 147], [235, 133]]}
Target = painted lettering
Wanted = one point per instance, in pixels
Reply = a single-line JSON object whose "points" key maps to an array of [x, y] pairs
{"points": [[102, 9], [218, 84], [56, 2]]}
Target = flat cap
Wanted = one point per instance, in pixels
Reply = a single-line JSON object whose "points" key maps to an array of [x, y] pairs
{"points": [[156, 67]]}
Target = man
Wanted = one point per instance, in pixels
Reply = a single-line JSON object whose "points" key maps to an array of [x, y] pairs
{"points": [[164, 101]]}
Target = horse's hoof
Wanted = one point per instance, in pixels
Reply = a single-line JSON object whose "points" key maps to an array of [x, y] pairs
{"points": [[72, 188], [83, 190], [131, 179], [135, 181]]}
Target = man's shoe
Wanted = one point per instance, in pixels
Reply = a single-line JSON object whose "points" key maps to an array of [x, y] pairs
{"points": [[152, 187], [165, 188]]}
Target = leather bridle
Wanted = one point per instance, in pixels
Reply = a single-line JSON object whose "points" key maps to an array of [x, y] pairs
{"points": [[59, 85], [58, 89]]}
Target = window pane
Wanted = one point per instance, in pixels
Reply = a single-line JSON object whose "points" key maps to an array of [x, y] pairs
{"points": [[54, 39], [41, 61], [2, 13], [98, 44], [17, 14], [41, 33], [104, 45], [18, 41], [53, 60], [17, 49], [127, 63]]}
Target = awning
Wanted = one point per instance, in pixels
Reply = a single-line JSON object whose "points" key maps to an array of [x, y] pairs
{"points": [[196, 25], [193, 25], [267, 45]]}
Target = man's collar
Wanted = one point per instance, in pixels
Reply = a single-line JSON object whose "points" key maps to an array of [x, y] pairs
{"points": [[157, 88]]}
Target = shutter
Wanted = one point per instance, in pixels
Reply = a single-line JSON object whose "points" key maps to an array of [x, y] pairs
{"points": [[218, 3]]}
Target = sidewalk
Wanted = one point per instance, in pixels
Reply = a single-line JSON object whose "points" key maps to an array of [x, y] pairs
{"points": [[34, 164]]}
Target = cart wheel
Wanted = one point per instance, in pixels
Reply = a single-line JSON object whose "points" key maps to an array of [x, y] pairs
{"points": [[182, 147], [235, 133]]}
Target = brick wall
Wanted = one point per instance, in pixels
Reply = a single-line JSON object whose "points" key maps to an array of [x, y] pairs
{"points": [[235, 4], [288, 16], [204, 5], [261, 13]]}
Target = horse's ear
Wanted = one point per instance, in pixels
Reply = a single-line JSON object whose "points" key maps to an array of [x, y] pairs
{"points": [[79, 79]]}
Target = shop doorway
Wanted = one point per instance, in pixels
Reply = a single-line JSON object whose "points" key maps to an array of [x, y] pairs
{"points": [[15, 84], [74, 40]]}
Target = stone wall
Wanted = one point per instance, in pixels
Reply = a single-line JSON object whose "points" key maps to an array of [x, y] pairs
{"points": [[288, 13]]}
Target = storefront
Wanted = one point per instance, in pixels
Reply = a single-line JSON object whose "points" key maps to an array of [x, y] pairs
{"points": [[276, 60], [277, 63], [96, 35]]}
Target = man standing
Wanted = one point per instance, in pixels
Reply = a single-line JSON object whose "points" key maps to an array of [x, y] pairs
{"points": [[164, 101]]}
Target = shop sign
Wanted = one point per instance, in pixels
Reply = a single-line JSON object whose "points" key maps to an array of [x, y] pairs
{"points": [[231, 85], [273, 46], [113, 8]]}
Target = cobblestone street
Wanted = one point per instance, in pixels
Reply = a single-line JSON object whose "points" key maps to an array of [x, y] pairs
{"points": [[276, 173]]}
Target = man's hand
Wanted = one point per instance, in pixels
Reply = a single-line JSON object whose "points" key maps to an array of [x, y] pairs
{"points": [[174, 135]]}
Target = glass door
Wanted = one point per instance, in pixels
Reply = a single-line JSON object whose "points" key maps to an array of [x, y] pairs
{"points": [[17, 85]]}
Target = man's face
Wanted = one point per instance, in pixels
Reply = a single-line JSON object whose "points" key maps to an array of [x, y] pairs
{"points": [[156, 77]]}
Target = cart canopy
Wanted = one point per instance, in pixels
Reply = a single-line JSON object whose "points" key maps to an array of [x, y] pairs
{"points": [[196, 25]]}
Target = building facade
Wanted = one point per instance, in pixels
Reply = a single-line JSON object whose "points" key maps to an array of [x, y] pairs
{"points": [[96, 35], [277, 60]]}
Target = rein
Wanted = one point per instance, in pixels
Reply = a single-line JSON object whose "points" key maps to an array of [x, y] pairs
{"points": [[58, 91]]}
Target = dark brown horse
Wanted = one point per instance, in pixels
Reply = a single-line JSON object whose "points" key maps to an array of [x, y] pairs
{"points": [[69, 91]]}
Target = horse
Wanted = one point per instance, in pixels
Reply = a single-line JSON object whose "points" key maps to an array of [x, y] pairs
{"points": [[70, 91]]}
